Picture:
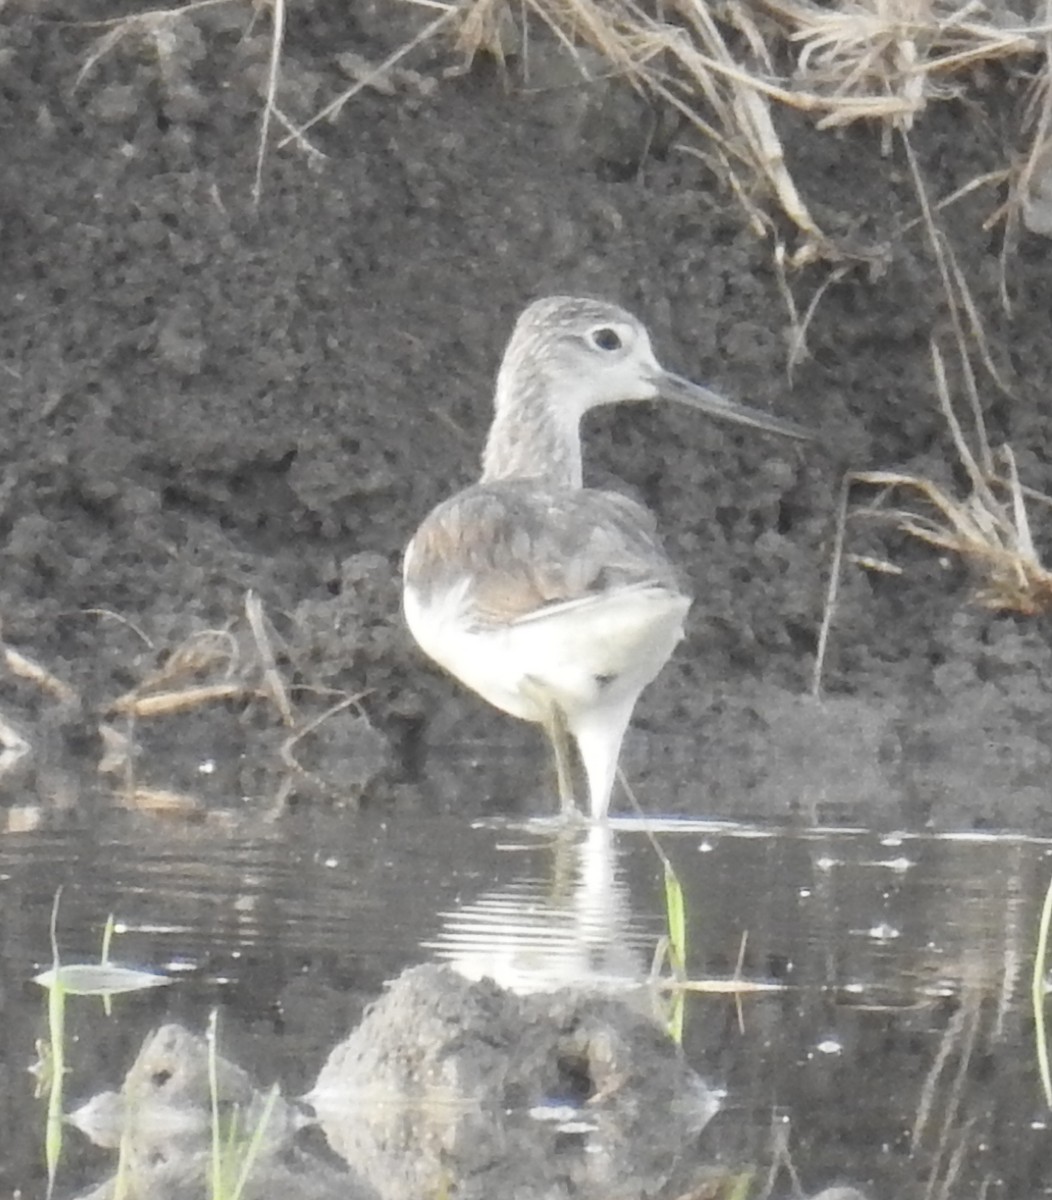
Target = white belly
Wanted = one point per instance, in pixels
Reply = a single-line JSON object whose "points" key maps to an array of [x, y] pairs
{"points": [[599, 650]]}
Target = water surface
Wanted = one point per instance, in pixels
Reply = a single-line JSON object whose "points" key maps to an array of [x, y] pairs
{"points": [[862, 998]]}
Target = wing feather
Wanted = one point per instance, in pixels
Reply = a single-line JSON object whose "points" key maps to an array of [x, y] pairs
{"points": [[523, 549]]}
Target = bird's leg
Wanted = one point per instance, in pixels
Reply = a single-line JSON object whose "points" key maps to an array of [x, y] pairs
{"points": [[559, 736], [553, 721]]}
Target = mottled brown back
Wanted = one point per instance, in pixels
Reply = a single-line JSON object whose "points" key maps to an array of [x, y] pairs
{"points": [[524, 547]]}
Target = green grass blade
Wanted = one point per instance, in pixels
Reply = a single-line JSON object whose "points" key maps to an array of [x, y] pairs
{"points": [[53, 1130], [216, 1191], [251, 1152], [676, 1016], [107, 938], [676, 920], [739, 1186], [1037, 995], [56, 1019]]}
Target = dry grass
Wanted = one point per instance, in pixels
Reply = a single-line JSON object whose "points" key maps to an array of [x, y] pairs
{"points": [[880, 61], [204, 669], [686, 58], [949, 1087], [987, 527], [162, 33], [991, 536], [14, 747], [890, 58], [215, 666], [723, 67], [236, 664]]}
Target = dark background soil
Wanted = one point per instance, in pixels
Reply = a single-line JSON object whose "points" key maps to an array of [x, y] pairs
{"points": [[201, 398]]}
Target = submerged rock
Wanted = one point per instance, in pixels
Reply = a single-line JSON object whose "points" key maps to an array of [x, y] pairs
{"points": [[446, 1087], [450, 1084], [162, 1121]]}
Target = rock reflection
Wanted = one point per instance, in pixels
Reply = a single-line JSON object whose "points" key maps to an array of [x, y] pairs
{"points": [[449, 1085], [446, 1087], [162, 1122]]}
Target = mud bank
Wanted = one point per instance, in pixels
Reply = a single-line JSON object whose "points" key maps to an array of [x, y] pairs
{"points": [[202, 399]]}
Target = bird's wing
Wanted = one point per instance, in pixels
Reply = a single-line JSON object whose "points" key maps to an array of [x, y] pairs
{"points": [[519, 550]]}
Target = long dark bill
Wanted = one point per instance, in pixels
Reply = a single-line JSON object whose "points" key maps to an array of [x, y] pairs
{"points": [[675, 387]]}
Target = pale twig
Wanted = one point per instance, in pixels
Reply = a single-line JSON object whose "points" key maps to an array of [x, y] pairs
{"points": [[199, 653], [334, 106], [288, 756], [272, 680], [277, 10], [162, 704], [951, 292], [143, 23], [161, 802], [832, 587], [295, 767], [15, 746], [123, 620], [24, 667]]}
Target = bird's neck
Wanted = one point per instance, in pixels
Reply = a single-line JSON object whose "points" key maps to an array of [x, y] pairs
{"points": [[533, 437]]}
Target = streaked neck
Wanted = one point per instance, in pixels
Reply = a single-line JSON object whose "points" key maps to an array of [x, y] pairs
{"points": [[533, 436]]}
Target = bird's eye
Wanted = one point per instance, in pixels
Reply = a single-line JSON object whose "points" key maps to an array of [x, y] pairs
{"points": [[605, 338]]}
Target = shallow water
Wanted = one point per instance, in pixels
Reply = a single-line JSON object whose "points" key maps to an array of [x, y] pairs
{"points": [[862, 998]]}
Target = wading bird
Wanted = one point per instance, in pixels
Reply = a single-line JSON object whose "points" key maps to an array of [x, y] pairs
{"points": [[553, 601]]}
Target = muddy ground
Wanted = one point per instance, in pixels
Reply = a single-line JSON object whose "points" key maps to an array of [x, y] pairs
{"points": [[201, 399]]}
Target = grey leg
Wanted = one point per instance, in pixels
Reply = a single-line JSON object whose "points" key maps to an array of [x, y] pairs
{"points": [[554, 725]]}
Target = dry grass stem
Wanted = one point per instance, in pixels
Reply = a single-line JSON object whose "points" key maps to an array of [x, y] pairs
{"points": [[991, 540], [988, 528], [288, 756], [202, 653], [832, 587], [722, 987], [109, 614], [164, 704], [334, 106], [206, 652], [23, 667], [902, 52], [994, 540], [689, 66], [14, 747], [993, 536], [987, 179], [247, 666], [1029, 200], [1033, 183], [161, 802], [272, 681], [153, 27], [799, 325], [188, 678], [958, 297], [879, 566], [277, 17]]}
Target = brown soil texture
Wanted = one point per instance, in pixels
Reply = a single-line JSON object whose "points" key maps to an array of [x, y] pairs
{"points": [[202, 397]]}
